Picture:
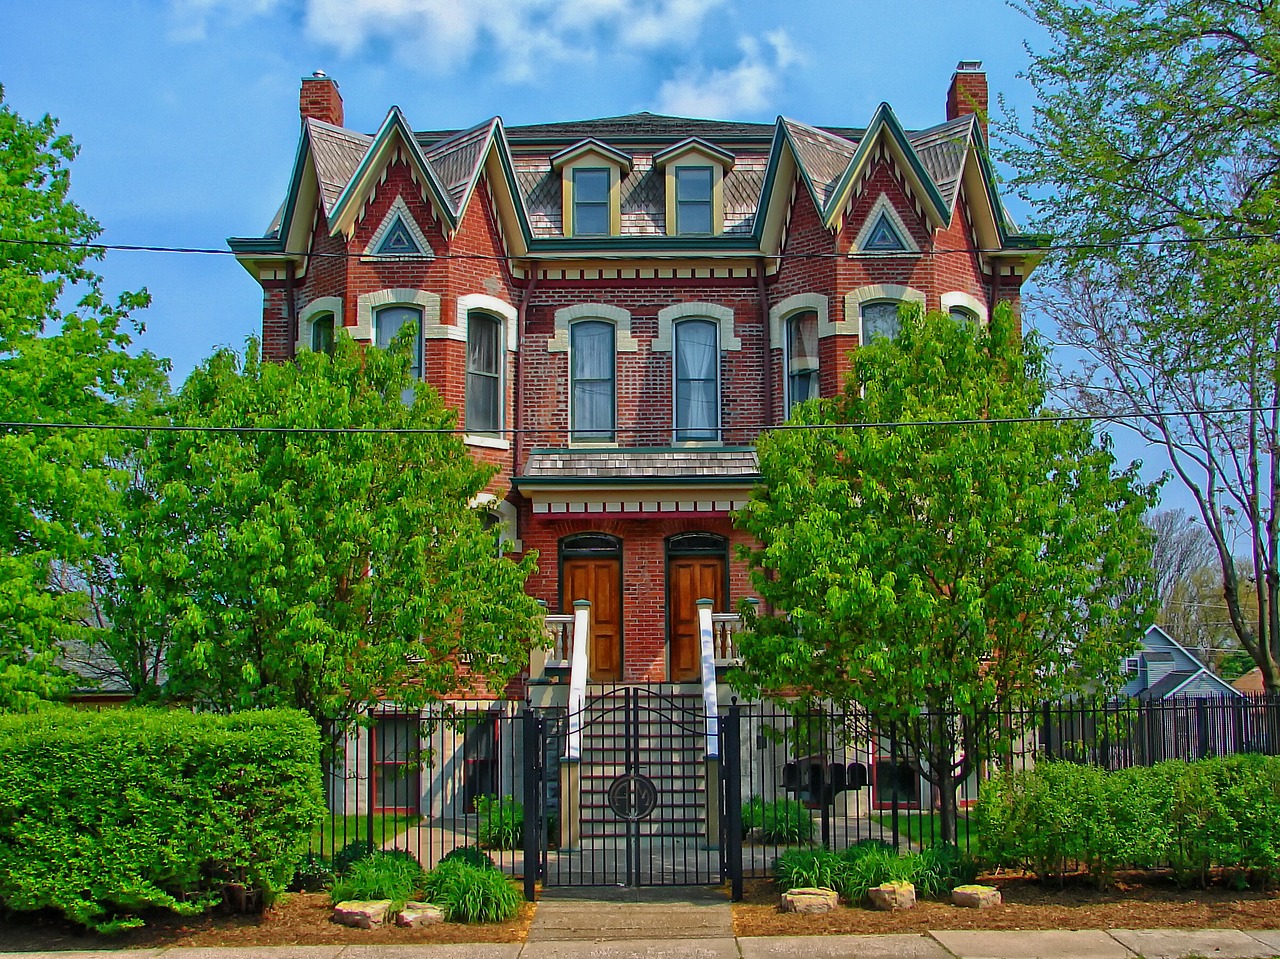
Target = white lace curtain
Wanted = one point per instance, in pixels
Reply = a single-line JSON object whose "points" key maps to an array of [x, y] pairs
{"points": [[697, 362], [592, 375]]}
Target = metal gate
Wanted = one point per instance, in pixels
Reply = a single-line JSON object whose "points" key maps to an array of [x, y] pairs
{"points": [[620, 792]]}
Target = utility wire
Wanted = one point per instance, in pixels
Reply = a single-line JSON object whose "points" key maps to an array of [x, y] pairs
{"points": [[501, 257], [14, 425]]}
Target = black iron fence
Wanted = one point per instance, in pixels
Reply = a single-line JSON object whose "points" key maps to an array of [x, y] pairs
{"points": [[470, 774]]}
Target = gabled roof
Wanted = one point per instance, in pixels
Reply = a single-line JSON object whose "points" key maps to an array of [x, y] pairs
{"points": [[340, 166]]}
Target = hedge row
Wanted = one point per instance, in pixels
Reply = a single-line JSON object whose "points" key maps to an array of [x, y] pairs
{"points": [[105, 814], [1187, 816]]}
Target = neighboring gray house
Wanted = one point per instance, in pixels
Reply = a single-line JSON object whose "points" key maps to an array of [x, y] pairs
{"points": [[1164, 669]]}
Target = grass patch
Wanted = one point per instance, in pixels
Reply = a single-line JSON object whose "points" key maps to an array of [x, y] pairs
{"points": [[336, 831], [923, 829]]}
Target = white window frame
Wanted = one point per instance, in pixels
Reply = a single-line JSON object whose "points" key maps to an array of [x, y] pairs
{"points": [[718, 439], [501, 375], [786, 358], [965, 302], [484, 303], [317, 307]]}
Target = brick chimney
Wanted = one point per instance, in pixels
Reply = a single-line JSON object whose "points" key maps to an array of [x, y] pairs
{"points": [[968, 93], [320, 99]]}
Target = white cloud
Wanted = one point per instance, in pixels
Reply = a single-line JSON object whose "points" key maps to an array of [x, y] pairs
{"points": [[519, 37], [747, 87]]}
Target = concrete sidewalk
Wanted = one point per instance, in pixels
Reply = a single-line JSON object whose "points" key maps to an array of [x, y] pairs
{"points": [[694, 934]]}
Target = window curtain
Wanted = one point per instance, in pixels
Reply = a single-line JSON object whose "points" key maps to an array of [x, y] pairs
{"points": [[802, 359], [697, 362], [386, 324], [484, 379], [592, 351], [879, 319]]}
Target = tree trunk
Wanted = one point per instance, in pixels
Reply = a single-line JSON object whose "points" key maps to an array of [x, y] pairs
{"points": [[947, 831]]}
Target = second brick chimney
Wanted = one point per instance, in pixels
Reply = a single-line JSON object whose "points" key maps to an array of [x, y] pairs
{"points": [[968, 93], [320, 99]]}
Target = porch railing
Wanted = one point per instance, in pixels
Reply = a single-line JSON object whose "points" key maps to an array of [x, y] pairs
{"points": [[560, 631], [724, 630]]}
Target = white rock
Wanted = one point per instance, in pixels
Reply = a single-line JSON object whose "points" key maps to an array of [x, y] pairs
{"points": [[362, 914], [417, 914], [891, 896], [809, 900]]}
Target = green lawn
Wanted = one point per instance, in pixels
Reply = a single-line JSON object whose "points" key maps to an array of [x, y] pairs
{"points": [[923, 827], [335, 832]]}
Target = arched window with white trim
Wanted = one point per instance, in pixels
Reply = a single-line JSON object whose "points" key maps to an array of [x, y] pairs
{"points": [[696, 365], [880, 319], [592, 381], [388, 321], [322, 334]]}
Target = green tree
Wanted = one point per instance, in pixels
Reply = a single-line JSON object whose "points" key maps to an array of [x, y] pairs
{"points": [[1153, 156], [59, 489], [322, 571], [932, 574]]}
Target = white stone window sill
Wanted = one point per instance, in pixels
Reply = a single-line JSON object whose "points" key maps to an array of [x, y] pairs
{"points": [[488, 442]]}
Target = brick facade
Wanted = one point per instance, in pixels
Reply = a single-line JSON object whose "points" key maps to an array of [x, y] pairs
{"points": [[812, 254]]}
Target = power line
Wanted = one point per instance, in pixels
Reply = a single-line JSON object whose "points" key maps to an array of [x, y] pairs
{"points": [[528, 431], [504, 257]]}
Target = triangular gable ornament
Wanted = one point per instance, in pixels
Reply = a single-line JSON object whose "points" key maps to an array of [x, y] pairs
{"points": [[884, 232], [399, 235]]}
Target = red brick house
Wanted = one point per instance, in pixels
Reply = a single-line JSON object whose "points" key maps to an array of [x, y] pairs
{"points": [[618, 306]]}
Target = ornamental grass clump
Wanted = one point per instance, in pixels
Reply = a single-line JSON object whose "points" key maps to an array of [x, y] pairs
{"points": [[380, 876], [809, 868], [501, 822], [467, 893], [784, 822]]}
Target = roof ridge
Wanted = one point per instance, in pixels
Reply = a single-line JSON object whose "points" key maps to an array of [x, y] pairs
{"points": [[443, 144]]}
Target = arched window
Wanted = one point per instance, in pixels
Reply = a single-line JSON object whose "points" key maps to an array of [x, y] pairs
{"points": [[802, 358], [880, 318], [962, 315], [697, 380], [592, 400], [484, 373], [387, 322], [322, 334]]}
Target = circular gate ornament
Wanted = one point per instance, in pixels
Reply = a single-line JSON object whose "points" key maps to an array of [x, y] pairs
{"points": [[633, 797]]}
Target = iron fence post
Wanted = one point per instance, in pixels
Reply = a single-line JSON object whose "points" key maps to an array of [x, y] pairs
{"points": [[532, 726], [732, 818]]}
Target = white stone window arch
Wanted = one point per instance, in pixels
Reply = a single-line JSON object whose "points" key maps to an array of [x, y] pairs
{"points": [[506, 515], [428, 302], [797, 303], [669, 316], [874, 293], [963, 301], [623, 341], [309, 313]]}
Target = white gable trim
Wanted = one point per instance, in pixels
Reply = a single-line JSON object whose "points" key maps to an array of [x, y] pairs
{"points": [[965, 301], [432, 329], [669, 316], [779, 312], [323, 304], [488, 304], [399, 211], [883, 206], [623, 341], [851, 325]]}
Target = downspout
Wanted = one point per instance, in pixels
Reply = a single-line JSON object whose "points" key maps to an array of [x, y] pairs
{"points": [[521, 316], [291, 309], [767, 365]]}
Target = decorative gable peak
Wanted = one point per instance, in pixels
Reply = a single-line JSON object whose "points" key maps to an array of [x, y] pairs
{"points": [[884, 232], [398, 235], [592, 149], [698, 147]]}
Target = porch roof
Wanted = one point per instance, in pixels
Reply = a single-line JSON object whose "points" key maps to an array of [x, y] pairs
{"points": [[664, 466]]}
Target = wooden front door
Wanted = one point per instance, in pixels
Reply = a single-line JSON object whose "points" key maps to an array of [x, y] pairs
{"points": [[598, 579], [689, 579]]}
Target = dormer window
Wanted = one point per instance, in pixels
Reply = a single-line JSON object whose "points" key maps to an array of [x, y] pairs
{"points": [[694, 171], [591, 175], [591, 201], [693, 200]]}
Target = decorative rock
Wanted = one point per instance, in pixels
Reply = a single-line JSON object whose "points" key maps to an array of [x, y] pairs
{"points": [[810, 900], [362, 914], [975, 897], [416, 914], [892, 896]]}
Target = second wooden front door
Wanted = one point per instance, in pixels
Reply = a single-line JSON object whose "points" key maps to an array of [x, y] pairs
{"points": [[689, 579], [600, 581]]}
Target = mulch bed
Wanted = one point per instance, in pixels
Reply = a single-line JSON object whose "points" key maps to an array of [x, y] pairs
{"points": [[300, 919], [1135, 902]]}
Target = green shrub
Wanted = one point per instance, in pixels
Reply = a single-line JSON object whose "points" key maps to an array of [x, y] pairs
{"points": [[800, 868], [501, 823], [469, 894], [471, 855], [785, 822], [1187, 816], [312, 875], [103, 815], [943, 867], [380, 876], [350, 854]]}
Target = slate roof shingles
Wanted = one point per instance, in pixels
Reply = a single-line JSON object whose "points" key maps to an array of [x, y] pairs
{"points": [[648, 464]]}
